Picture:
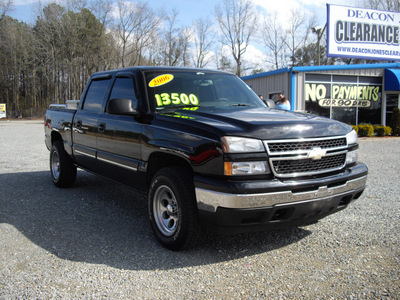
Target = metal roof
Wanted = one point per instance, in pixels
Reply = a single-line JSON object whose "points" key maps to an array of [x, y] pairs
{"points": [[323, 68]]}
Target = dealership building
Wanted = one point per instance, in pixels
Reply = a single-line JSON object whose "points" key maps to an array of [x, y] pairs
{"points": [[352, 94]]}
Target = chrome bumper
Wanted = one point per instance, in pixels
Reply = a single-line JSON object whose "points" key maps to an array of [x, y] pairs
{"points": [[210, 200]]}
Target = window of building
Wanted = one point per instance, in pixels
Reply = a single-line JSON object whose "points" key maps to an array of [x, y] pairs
{"points": [[350, 99]]}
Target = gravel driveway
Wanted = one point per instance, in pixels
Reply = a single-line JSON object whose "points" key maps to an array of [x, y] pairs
{"points": [[93, 241]]}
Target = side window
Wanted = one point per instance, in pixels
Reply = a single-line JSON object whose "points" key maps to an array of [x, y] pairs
{"points": [[124, 88], [95, 95]]}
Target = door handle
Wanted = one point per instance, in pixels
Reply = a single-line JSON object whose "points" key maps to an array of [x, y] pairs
{"points": [[102, 127], [77, 127]]}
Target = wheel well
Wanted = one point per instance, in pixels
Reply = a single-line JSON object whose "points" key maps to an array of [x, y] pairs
{"points": [[55, 136], [159, 161]]}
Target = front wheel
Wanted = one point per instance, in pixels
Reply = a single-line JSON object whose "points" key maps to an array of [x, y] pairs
{"points": [[63, 171], [173, 209]]}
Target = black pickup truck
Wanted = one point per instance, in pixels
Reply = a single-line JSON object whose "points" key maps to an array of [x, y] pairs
{"points": [[206, 150]]}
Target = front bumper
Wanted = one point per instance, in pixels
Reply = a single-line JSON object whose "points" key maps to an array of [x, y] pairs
{"points": [[278, 203]]}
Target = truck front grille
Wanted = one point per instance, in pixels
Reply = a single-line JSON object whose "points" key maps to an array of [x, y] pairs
{"points": [[301, 166], [279, 147], [304, 157]]}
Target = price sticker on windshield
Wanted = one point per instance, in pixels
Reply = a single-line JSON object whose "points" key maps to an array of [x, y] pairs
{"points": [[161, 80], [165, 99]]}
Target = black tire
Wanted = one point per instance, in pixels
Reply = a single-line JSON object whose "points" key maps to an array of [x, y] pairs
{"points": [[63, 171], [173, 209]]}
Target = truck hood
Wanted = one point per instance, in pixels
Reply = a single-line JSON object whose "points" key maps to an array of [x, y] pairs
{"points": [[261, 123]]}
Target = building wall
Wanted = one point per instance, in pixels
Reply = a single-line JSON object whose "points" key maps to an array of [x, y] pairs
{"points": [[280, 81], [300, 103], [271, 84]]}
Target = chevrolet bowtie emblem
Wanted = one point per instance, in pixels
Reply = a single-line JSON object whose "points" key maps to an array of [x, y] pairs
{"points": [[316, 153]]}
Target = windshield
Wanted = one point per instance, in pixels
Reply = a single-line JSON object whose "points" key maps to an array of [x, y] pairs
{"points": [[176, 89]]}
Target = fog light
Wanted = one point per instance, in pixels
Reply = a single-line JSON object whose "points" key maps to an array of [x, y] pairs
{"points": [[352, 157], [246, 168]]}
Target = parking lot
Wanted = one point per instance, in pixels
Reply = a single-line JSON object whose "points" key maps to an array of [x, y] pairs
{"points": [[94, 240]]}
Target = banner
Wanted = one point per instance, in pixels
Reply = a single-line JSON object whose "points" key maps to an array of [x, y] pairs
{"points": [[2, 110], [342, 95], [363, 33], [351, 99]]}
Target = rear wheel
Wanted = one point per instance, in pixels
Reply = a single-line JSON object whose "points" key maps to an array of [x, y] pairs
{"points": [[63, 171], [173, 209]]}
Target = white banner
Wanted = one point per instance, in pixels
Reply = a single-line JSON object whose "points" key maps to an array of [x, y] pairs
{"points": [[363, 33]]}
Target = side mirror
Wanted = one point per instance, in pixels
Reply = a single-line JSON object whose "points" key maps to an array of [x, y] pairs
{"points": [[122, 106], [270, 103]]}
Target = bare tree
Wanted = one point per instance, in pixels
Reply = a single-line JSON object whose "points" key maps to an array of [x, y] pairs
{"points": [[299, 29], [101, 9], [175, 42], [203, 41], [237, 20], [74, 5], [125, 27], [389, 5], [274, 38], [48, 33], [145, 33], [135, 27], [5, 6]]}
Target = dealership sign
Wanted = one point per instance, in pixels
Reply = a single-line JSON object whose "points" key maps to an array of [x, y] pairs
{"points": [[363, 33], [2, 110]]}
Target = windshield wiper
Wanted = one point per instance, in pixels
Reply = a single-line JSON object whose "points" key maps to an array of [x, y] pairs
{"points": [[239, 104]]}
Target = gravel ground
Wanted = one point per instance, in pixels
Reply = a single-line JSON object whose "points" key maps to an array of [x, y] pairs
{"points": [[94, 240]]}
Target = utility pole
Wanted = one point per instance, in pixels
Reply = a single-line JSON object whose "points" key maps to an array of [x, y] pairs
{"points": [[320, 33]]}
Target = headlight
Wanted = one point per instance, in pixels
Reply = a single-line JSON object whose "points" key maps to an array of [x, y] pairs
{"points": [[233, 144], [246, 168], [352, 137]]}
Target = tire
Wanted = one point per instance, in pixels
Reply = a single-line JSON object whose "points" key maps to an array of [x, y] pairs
{"points": [[63, 171], [173, 209]]}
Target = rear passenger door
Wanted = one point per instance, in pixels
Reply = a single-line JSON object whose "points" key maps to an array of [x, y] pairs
{"points": [[119, 137], [85, 124]]}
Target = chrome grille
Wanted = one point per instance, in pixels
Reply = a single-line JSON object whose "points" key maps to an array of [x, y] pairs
{"points": [[277, 147], [308, 165], [304, 157]]}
